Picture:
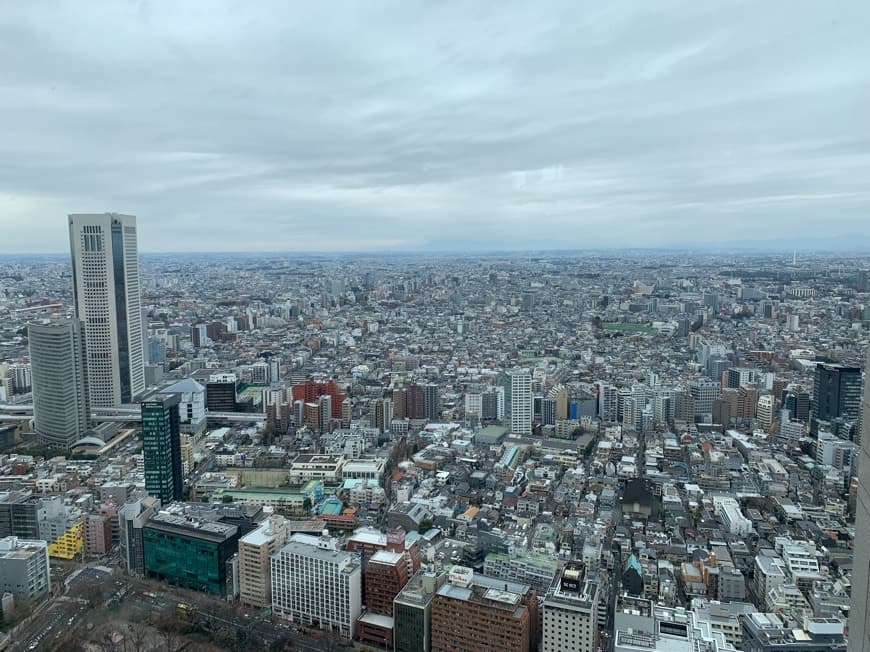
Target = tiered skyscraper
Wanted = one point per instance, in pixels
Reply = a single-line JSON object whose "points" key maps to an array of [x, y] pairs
{"points": [[106, 285]]}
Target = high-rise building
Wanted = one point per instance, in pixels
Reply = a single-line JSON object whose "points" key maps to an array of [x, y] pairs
{"points": [[836, 393], [24, 568], [859, 616], [570, 612], [106, 286], [431, 402], [522, 404], [255, 558], [608, 402], [314, 583], [161, 447], [61, 406], [765, 410]]}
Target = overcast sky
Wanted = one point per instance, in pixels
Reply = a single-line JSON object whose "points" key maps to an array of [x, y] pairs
{"points": [[253, 125]]}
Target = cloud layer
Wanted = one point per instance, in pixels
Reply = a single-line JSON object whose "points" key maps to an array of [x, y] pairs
{"points": [[408, 125]]}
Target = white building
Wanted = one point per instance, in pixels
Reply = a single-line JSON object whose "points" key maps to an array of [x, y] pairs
{"points": [[106, 286], [191, 409], [733, 519], [314, 582], [24, 568], [570, 613], [522, 404]]}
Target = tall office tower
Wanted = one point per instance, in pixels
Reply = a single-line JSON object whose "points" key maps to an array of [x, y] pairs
{"points": [[106, 286], [836, 393], [314, 583], [521, 403], [431, 402], [570, 612], [161, 447], [859, 616], [61, 407]]}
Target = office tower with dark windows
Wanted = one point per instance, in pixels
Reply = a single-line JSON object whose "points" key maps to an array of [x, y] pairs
{"points": [[106, 286], [61, 407], [836, 393], [161, 448]]}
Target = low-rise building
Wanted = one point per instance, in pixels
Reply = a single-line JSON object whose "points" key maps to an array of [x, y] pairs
{"points": [[24, 568]]}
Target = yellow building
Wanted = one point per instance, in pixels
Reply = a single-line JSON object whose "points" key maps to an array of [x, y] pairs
{"points": [[69, 544]]}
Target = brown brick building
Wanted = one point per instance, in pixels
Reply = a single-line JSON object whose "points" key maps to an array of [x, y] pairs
{"points": [[475, 612]]}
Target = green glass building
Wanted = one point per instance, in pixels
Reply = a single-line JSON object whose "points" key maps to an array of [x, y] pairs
{"points": [[189, 553], [161, 448]]}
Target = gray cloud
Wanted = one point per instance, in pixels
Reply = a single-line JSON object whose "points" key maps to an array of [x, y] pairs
{"points": [[368, 126]]}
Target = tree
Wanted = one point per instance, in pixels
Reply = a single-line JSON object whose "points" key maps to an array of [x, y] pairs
{"points": [[425, 525], [306, 505], [283, 644]]}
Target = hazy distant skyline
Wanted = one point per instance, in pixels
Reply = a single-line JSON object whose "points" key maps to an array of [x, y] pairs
{"points": [[275, 126]]}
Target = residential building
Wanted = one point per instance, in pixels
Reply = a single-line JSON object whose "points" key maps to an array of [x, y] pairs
{"points": [[255, 561], [521, 403]]}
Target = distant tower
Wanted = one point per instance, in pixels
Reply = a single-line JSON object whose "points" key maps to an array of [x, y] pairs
{"points": [[61, 408], [106, 285], [161, 447]]}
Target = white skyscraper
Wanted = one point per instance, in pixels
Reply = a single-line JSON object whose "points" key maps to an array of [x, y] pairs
{"points": [[106, 284], [522, 404]]}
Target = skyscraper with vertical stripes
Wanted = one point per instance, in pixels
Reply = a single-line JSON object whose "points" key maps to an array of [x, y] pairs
{"points": [[106, 286]]}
